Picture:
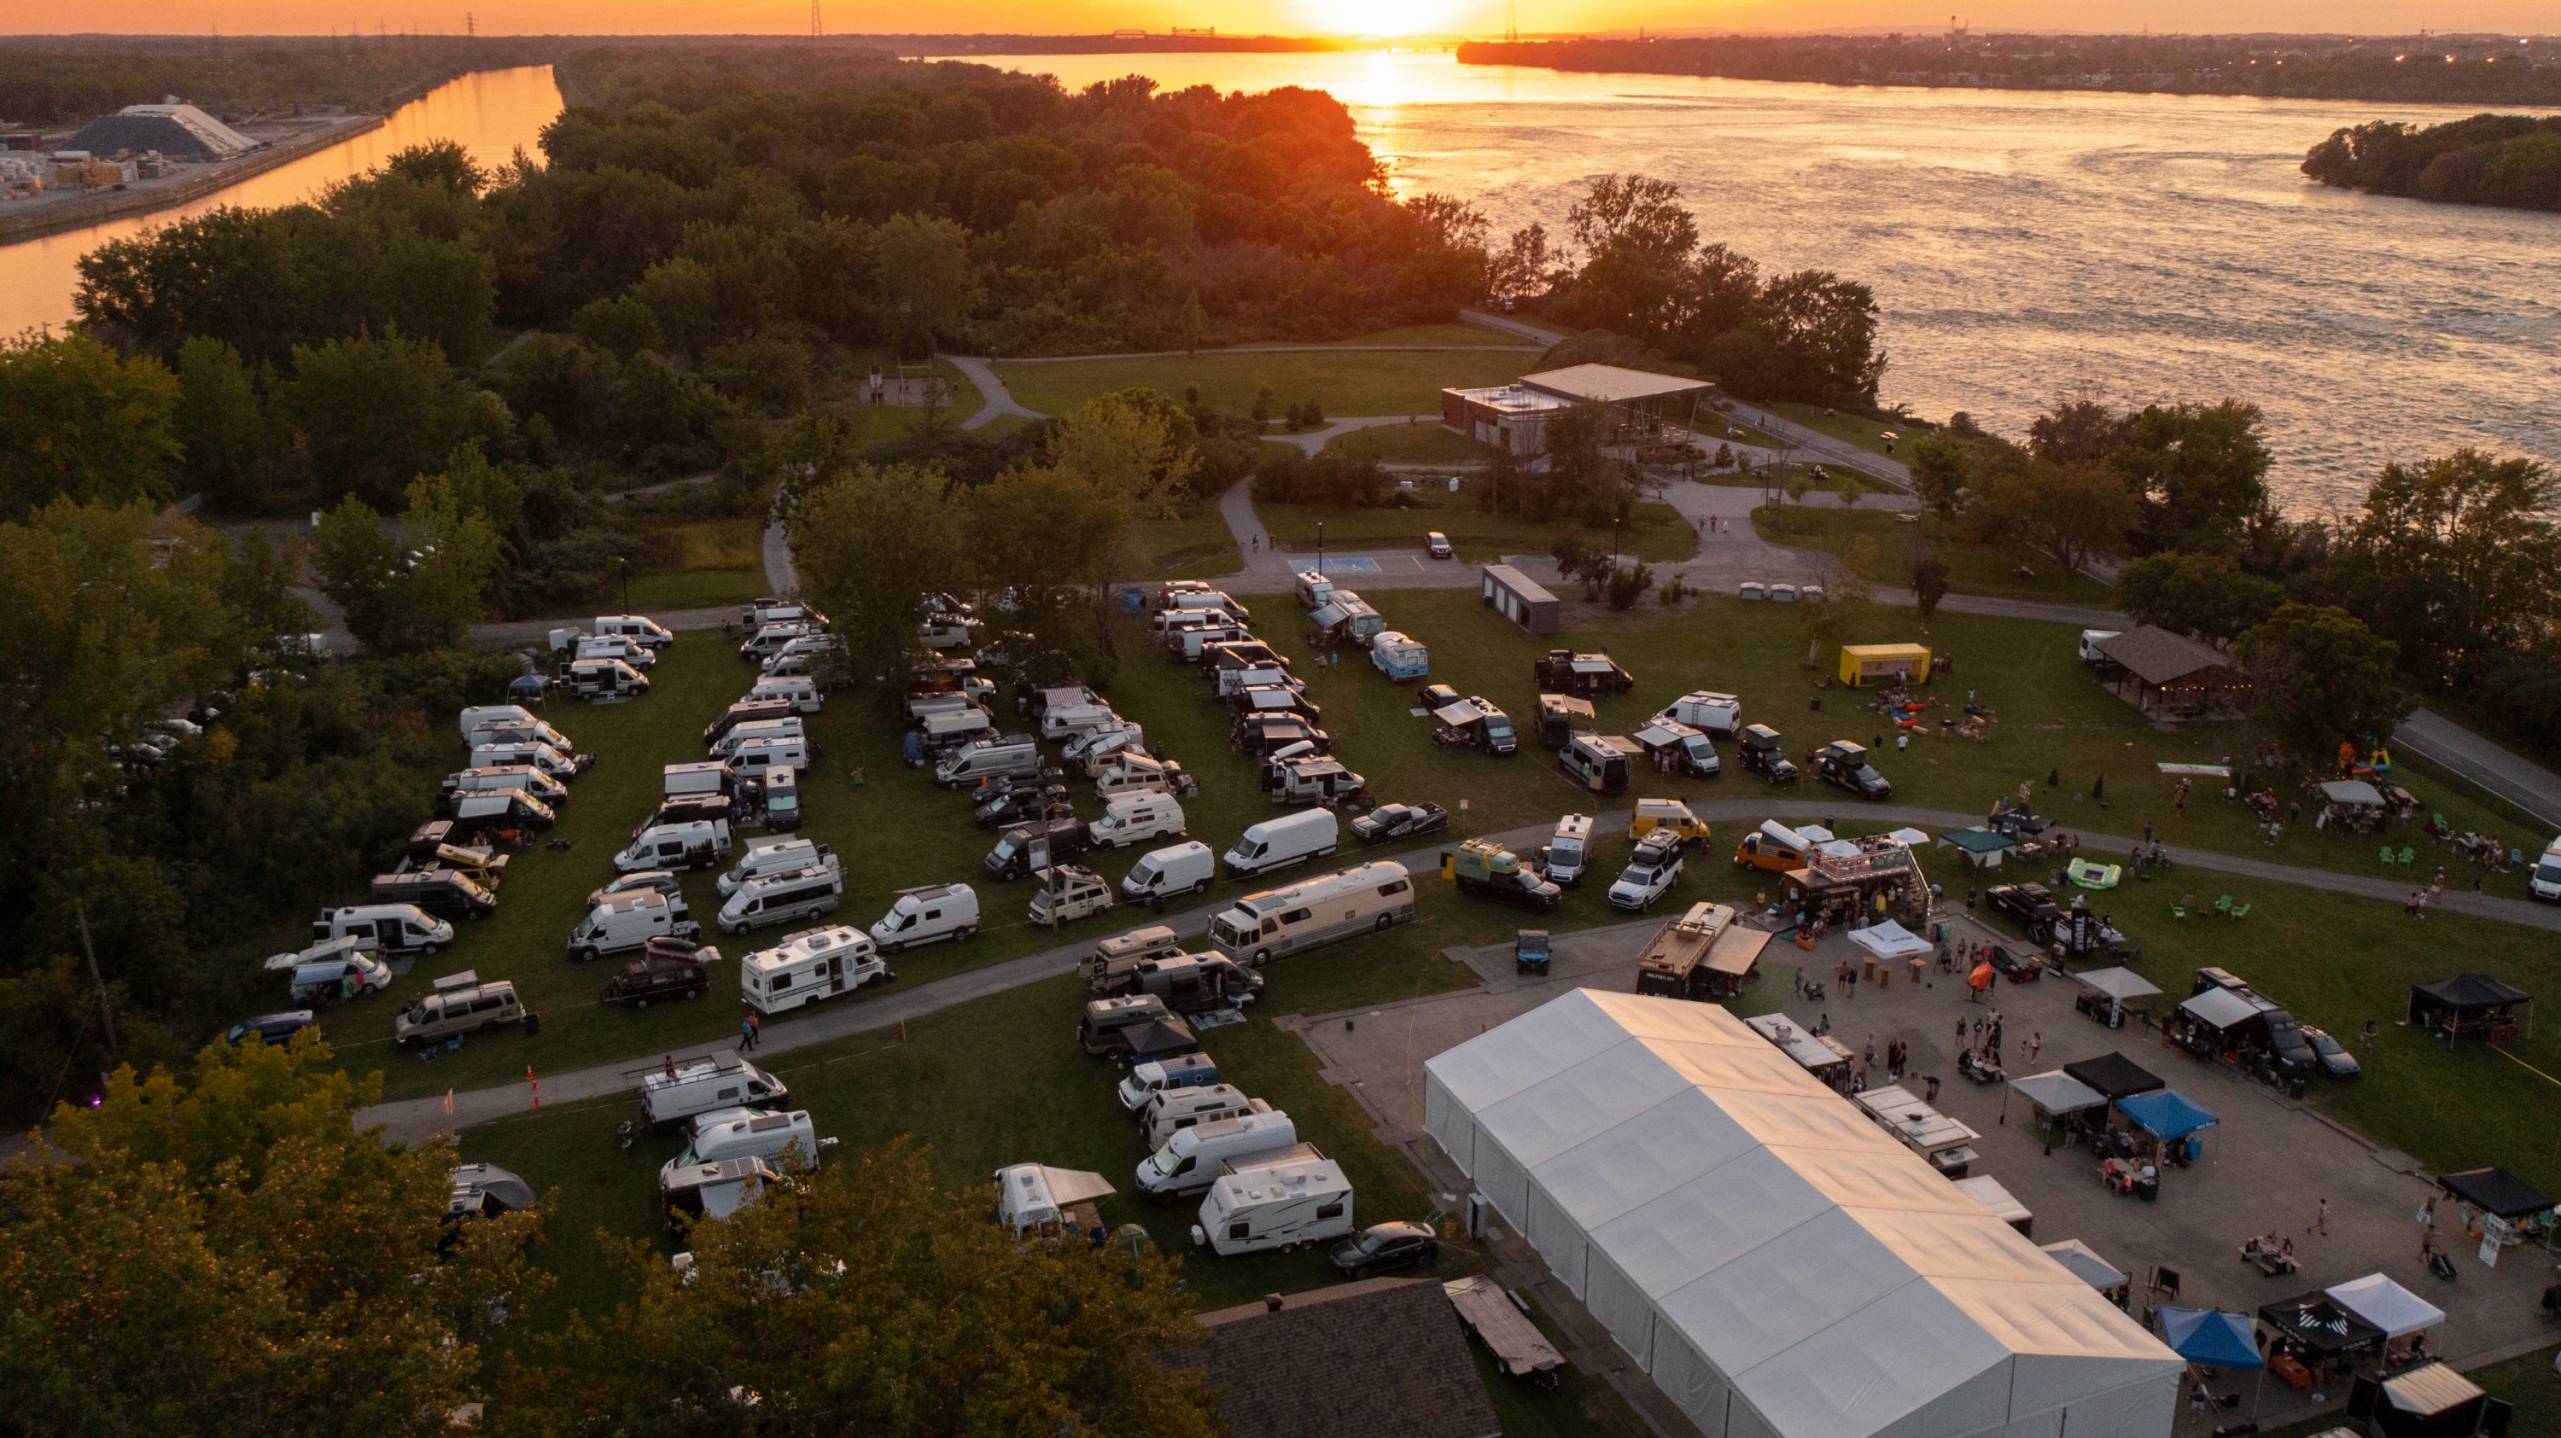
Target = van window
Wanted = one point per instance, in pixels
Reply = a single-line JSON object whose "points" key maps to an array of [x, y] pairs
{"points": [[1331, 1210], [1240, 1230], [1295, 916], [1389, 890], [933, 913]]}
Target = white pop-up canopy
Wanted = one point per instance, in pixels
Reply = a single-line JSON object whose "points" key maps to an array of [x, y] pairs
{"points": [[2387, 1305], [1890, 941], [1781, 1266], [2058, 1092], [2219, 1008], [2122, 985]]}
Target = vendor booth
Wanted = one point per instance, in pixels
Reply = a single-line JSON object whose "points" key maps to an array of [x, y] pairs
{"points": [[2056, 1101], [2352, 805], [2172, 1119], [1865, 664], [2113, 1283], [2110, 995], [2501, 1207], [2387, 1305], [1844, 879], [2115, 1076], [1888, 944], [2218, 1023], [2313, 1342], [2209, 1338], [2429, 1401], [2471, 1006], [1981, 848]]}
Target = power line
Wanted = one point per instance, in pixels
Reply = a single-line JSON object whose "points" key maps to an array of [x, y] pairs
{"points": [[816, 28]]}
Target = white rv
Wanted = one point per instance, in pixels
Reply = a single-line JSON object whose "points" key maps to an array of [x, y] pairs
{"points": [[1193, 1159], [623, 922], [775, 856], [1363, 899], [1174, 1110], [1134, 819], [713, 1190], [670, 1095], [638, 628], [1289, 1202], [553, 763], [799, 691], [1278, 843], [783, 898], [698, 844], [923, 915], [759, 757], [811, 965], [512, 716], [484, 781], [615, 646], [332, 968], [605, 681], [788, 727], [787, 1140]]}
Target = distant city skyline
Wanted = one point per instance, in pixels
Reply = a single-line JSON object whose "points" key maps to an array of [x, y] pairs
{"points": [[1287, 17]]}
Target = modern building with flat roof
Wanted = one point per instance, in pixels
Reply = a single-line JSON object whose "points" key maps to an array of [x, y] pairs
{"points": [[1514, 417]]}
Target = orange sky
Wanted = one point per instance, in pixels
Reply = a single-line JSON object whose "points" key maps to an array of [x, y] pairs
{"points": [[249, 17]]}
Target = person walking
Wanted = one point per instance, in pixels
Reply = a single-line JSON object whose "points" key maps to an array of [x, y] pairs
{"points": [[2035, 1041], [746, 1036], [1869, 1054], [2321, 1223]]}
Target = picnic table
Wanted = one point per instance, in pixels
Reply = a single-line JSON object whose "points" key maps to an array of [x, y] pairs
{"points": [[1498, 1321]]}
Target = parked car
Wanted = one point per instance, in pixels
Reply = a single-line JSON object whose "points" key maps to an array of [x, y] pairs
{"points": [[1386, 1245], [1435, 697], [2335, 1059], [1651, 871], [1844, 762], [1399, 821], [276, 1028], [2031, 904], [1436, 544], [1765, 753]]}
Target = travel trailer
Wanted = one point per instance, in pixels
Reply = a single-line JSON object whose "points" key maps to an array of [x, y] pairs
{"points": [[1287, 1202], [1365, 898]]}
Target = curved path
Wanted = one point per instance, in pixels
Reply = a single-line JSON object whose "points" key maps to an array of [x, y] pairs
{"points": [[1000, 400], [415, 1120]]}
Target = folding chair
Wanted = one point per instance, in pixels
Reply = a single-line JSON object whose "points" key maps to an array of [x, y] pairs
{"points": [[2240, 911], [2409, 855], [2386, 854], [2178, 910], [2223, 905]]}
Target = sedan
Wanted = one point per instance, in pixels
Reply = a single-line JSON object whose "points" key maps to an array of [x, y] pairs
{"points": [[2336, 1061], [1399, 821], [1386, 1245]]}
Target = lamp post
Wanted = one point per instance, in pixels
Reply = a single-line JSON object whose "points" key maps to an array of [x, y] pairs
{"points": [[1614, 528], [626, 584], [1320, 546]]}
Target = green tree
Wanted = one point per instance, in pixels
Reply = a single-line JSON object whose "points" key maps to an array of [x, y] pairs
{"points": [[2459, 559], [225, 1252], [2206, 594], [221, 428], [79, 422], [867, 1300], [1929, 584], [1941, 466], [682, 297], [2319, 675], [622, 325], [2079, 431], [928, 285], [420, 589], [371, 414], [2201, 473], [865, 542]]}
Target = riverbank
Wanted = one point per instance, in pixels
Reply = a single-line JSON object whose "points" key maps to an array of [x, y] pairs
{"points": [[52, 215]]}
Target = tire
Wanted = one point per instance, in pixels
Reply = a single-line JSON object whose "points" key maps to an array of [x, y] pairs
{"points": [[1261, 957], [1385, 922], [586, 955], [640, 1002], [1360, 1272]]}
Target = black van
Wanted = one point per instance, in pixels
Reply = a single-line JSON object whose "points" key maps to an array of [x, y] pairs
{"points": [[747, 711], [442, 892]]}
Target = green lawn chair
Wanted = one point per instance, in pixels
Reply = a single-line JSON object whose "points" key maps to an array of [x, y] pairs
{"points": [[2240, 911], [2386, 855], [2223, 905], [2178, 910], [2409, 855]]}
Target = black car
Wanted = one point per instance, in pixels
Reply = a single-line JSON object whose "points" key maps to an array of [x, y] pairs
{"points": [[2287, 1045], [2031, 904], [1764, 753], [1022, 805], [2336, 1061], [278, 1028], [1399, 821], [1386, 1245], [1435, 697], [1844, 762]]}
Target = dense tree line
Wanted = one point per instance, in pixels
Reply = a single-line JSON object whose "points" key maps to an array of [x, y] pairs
{"points": [[2512, 160], [67, 80]]}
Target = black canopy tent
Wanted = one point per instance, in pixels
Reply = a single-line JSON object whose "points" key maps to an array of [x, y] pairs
{"points": [[2495, 1191], [2115, 1075], [2470, 1006], [2318, 1326]]}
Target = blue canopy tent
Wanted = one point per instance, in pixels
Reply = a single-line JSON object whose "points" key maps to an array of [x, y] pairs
{"points": [[2209, 1338], [2168, 1116]]}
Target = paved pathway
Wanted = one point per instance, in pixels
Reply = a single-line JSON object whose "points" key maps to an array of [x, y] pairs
{"points": [[1316, 439], [1271, 350], [661, 487], [415, 1120], [1000, 400], [2449, 745]]}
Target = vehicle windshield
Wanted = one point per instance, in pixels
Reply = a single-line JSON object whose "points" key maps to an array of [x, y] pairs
{"points": [[897, 920], [1569, 850], [1499, 728], [1868, 775], [1227, 933], [417, 1014], [1143, 872], [1162, 1163], [2324, 1045], [2549, 871]]}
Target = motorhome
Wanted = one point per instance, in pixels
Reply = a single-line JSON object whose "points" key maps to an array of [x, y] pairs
{"points": [[756, 758], [782, 898], [766, 857], [1170, 872], [624, 922], [605, 681], [1033, 1198], [1060, 721], [1362, 899], [1135, 819], [926, 914], [677, 1091], [787, 727], [1170, 621], [1142, 774], [514, 716], [331, 969], [1287, 1202], [395, 930], [944, 732], [805, 646], [1474, 723], [460, 1004], [1344, 618], [1706, 710], [1162, 1076], [786, 1139], [1187, 642], [714, 1190], [997, 757], [1561, 717], [550, 762], [699, 844], [745, 711], [639, 628], [1678, 748], [693, 809], [1318, 780], [1314, 589], [1114, 956], [1193, 1158], [1279, 843], [1569, 850], [1602, 763], [533, 781], [1399, 656], [1099, 1031], [1169, 1113], [498, 811], [798, 690], [809, 966], [1069, 892], [679, 781], [445, 893], [1227, 683]]}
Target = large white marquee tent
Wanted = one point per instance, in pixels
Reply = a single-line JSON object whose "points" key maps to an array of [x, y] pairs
{"points": [[1779, 1264]]}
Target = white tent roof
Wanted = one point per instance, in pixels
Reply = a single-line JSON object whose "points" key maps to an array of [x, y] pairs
{"points": [[1889, 941], [2220, 1008], [2084, 1260], [2122, 985], [1909, 837], [1759, 1245], [2387, 1305], [1997, 1200], [2058, 1092]]}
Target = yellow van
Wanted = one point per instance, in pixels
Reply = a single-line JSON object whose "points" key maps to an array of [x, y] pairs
{"points": [[1672, 814]]}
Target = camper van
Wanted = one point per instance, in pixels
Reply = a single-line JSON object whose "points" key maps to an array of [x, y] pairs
{"points": [[445, 893], [942, 733], [782, 799], [797, 690], [767, 857], [782, 898], [1135, 819], [1286, 1202], [1399, 656], [997, 757], [786, 1140], [767, 640], [332, 968], [1314, 589], [1027, 848], [682, 781], [1069, 892], [487, 811], [699, 844], [396, 930], [678, 1091], [623, 922], [1279, 843], [1162, 1076], [1170, 1112], [1774, 846], [1192, 1159], [1099, 1031], [1680, 748], [771, 610], [1561, 717], [925, 914], [1141, 774], [615, 646], [714, 1190], [460, 1004], [1602, 763], [787, 727], [745, 711], [605, 681], [1187, 642], [1364, 898], [1569, 850], [756, 758], [2545, 882], [638, 628], [811, 965], [542, 758], [1706, 710], [533, 781], [1170, 872], [479, 717]]}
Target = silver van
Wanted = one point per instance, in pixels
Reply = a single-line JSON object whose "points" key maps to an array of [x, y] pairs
{"points": [[782, 898], [460, 1004]]}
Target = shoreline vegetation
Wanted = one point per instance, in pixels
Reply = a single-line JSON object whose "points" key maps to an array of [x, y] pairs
{"points": [[2512, 161]]}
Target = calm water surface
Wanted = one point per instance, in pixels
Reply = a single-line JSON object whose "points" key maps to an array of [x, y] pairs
{"points": [[2027, 246], [493, 114]]}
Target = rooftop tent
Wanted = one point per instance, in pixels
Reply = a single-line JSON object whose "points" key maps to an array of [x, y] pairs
{"points": [[2085, 1264], [1780, 1265], [1890, 941], [2356, 792], [2314, 1323], [2209, 1338], [2219, 1009], [2166, 1114], [1784, 836], [2495, 1191], [2058, 1092], [2115, 1076], [2121, 984], [2387, 1305]]}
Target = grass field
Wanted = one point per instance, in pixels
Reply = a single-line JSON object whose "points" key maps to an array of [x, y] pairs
{"points": [[1840, 479], [1196, 546], [1456, 333], [1343, 383], [1423, 442], [1972, 568], [1867, 434], [1656, 530]]}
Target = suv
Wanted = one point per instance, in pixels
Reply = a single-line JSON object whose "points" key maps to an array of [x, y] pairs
{"points": [[1651, 871], [1436, 544], [1765, 753], [2031, 904], [461, 1004], [1844, 762]]}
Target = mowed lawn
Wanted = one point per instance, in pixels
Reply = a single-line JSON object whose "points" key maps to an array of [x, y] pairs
{"points": [[1342, 382], [1655, 530], [1971, 568], [1425, 441], [1868, 434]]}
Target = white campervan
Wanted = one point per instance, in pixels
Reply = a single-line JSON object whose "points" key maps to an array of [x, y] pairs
{"points": [[544, 759], [1135, 819], [615, 646], [798, 691], [621, 923], [1362, 899], [670, 1095], [638, 628], [605, 680], [1170, 872], [787, 727], [758, 757], [1292, 1201], [698, 844], [811, 965], [1192, 1159], [485, 781], [1289, 839], [689, 781], [783, 898], [489, 716], [1010, 755], [1174, 1110], [1706, 710], [775, 856], [925, 914], [391, 929], [787, 1140]]}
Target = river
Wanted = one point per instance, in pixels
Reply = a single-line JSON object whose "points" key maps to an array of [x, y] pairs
{"points": [[493, 113], [2026, 245]]}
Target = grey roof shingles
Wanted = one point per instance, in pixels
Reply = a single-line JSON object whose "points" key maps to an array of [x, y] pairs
{"points": [[1382, 1358]]}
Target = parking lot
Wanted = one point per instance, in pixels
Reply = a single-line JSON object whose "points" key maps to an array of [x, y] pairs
{"points": [[2266, 1166]]}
